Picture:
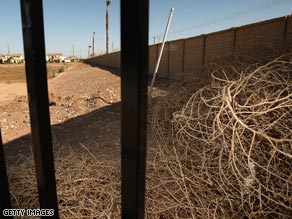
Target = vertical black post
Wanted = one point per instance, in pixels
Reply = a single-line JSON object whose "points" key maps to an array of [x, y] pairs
{"points": [[285, 28], [183, 58], [4, 188], [37, 87], [234, 39], [157, 51], [168, 48], [204, 49], [134, 71]]}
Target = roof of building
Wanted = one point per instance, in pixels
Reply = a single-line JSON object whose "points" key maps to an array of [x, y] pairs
{"points": [[11, 55], [15, 55], [71, 57], [54, 54]]}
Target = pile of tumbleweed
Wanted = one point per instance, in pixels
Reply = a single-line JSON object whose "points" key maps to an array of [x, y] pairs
{"points": [[227, 153]]}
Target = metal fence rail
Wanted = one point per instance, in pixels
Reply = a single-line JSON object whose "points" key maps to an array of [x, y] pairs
{"points": [[134, 62], [4, 188], [134, 71], [37, 89]]}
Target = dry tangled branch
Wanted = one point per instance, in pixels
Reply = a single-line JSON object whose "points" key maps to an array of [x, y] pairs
{"points": [[227, 153], [87, 187]]}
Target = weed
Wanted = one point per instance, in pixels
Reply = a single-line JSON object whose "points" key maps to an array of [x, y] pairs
{"points": [[54, 74], [61, 70]]}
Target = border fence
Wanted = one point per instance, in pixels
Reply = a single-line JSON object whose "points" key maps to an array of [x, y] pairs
{"points": [[186, 56]]}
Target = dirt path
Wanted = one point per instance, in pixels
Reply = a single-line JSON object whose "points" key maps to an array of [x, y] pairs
{"points": [[9, 91], [84, 110]]}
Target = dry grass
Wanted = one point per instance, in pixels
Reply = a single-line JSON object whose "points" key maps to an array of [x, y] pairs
{"points": [[87, 187], [12, 73]]}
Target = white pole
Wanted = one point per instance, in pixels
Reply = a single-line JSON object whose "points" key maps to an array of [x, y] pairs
{"points": [[161, 50]]}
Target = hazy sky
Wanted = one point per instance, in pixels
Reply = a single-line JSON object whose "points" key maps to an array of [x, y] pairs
{"points": [[72, 22]]}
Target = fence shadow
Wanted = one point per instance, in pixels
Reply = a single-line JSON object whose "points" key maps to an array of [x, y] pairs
{"points": [[113, 70], [97, 131], [117, 72]]}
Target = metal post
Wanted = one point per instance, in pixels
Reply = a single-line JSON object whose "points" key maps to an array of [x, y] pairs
{"points": [[4, 188], [204, 49], [134, 71], [183, 58], [168, 57], [234, 39], [161, 50], [285, 28], [37, 87], [154, 39]]}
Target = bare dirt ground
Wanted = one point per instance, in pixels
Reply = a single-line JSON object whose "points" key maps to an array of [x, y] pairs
{"points": [[84, 111], [9, 91]]}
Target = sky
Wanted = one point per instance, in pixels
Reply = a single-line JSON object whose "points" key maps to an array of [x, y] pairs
{"points": [[70, 24]]}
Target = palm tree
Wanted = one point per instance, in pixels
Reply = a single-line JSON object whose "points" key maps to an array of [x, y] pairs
{"points": [[108, 2]]}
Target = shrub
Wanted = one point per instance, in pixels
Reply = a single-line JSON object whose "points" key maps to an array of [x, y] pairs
{"points": [[61, 70]]}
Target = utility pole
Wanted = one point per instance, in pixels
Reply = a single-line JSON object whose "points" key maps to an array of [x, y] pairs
{"points": [[93, 43], [156, 37], [8, 49], [108, 2], [112, 46], [89, 51], [73, 50]]}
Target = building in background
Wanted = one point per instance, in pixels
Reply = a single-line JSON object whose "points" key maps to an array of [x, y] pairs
{"points": [[69, 59], [11, 59], [54, 57], [50, 58], [16, 58], [3, 59]]}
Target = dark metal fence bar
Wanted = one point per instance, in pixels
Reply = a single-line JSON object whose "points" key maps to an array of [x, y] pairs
{"points": [[204, 49], [36, 75], [285, 28], [183, 58], [168, 57], [134, 71], [4, 188], [234, 39]]}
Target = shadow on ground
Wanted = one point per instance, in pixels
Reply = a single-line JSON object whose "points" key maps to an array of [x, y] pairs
{"points": [[97, 132], [115, 71]]}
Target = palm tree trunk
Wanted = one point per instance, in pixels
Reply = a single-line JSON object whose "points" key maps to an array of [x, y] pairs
{"points": [[106, 29]]}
